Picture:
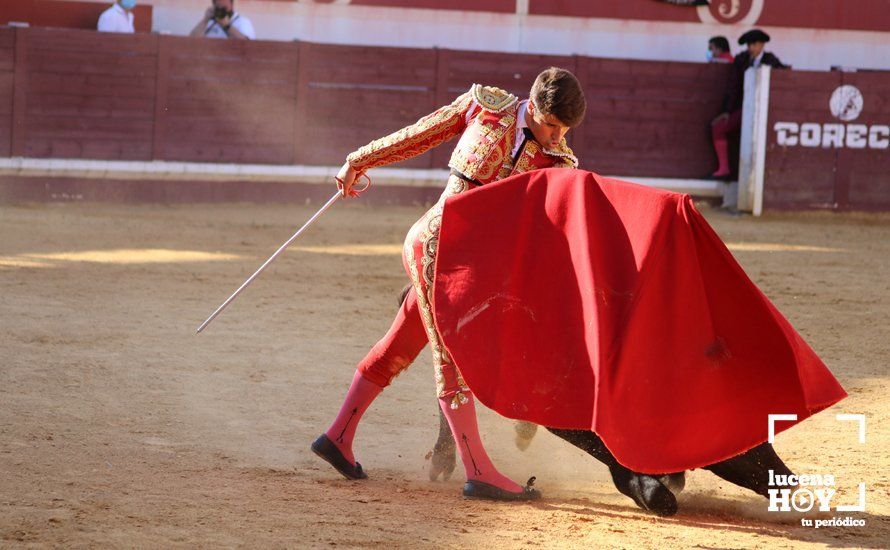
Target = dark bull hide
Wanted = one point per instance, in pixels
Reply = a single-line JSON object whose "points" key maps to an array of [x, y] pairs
{"points": [[652, 493]]}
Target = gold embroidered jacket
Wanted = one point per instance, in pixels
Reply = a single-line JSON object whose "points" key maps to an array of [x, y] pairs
{"points": [[485, 118]]}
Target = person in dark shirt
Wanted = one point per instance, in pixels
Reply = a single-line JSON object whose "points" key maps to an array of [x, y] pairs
{"points": [[730, 120]]}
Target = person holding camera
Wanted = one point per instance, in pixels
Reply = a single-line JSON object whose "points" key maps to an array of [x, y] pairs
{"points": [[222, 21]]}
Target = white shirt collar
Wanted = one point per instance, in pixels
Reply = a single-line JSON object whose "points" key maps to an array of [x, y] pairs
{"points": [[521, 124], [757, 60], [523, 110]]}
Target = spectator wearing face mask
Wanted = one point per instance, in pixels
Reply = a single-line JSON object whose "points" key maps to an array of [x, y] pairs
{"points": [[222, 21], [718, 50], [118, 18]]}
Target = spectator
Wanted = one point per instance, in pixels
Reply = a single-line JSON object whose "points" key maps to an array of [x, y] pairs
{"points": [[718, 50], [730, 120], [222, 21], [118, 18]]}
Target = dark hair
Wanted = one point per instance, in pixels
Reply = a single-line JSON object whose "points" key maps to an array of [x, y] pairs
{"points": [[557, 92], [720, 42]]}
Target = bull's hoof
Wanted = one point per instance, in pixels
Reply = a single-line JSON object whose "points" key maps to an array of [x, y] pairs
{"points": [[675, 482], [443, 462], [647, 492]]}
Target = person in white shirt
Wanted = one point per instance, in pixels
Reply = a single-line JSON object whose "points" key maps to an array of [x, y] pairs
{"points": [[118, 18], [222, 21]]}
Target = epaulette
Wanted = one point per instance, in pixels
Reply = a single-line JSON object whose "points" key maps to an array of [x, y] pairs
{"points": [[493, 99]]}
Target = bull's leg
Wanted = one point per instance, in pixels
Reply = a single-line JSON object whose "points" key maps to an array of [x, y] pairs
{"points": [[648, 492], [443, 453], [751, 468]]}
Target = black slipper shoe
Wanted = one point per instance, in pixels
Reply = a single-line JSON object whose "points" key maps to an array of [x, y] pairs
{"points": [[326, 449], [479, 489]]}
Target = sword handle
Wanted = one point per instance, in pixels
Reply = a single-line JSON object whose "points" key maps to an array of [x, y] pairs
{"points": [[354, 191]]}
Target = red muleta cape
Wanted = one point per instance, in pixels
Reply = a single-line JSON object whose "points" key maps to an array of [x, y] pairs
{"points": [[576, 301]]}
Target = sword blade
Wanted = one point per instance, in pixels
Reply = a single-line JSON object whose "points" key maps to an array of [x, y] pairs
{"points": [[278, 252]]}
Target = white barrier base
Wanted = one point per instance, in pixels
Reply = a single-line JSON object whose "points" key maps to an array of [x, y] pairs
{"points": [[209, 171]]}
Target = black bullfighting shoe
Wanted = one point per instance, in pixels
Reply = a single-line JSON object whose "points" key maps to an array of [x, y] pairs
{"points": [[481, 490], [326, 449]]}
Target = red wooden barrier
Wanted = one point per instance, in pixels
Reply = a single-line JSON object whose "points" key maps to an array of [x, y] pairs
{"points": [[350, 95], [88, 94], [649, 118], [863, 174], [227, 101], [81, 94], [827, 146], [7, 79]]}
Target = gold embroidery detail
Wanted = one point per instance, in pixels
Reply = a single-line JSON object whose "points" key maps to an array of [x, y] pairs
{"points": [[493, 99], [426, 233], [428, 132], [563, 151], [526, 160], [481, 159]]}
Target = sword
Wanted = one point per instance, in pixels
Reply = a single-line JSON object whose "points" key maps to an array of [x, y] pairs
{"points": [[331, 201]]}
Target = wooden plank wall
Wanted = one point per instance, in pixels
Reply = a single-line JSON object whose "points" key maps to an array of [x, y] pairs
{"points": [[350, 95], [88, 95], [227, 101], [863, 175], [7, 79], [650, 118], [799, 177], [825, 176]]}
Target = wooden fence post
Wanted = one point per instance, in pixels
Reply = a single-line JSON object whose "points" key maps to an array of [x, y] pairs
{"points": [[440, 155], [20, 85], [161, 88], [304, 53]]}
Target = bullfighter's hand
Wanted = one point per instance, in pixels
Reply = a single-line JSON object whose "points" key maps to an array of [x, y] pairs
{"points": [[346, 180]]}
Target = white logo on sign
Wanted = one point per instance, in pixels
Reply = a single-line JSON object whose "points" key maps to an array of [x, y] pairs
{"points": [[846, 103]]}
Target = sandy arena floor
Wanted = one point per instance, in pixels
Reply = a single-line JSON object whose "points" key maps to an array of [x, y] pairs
{"points": [[120, 427]]}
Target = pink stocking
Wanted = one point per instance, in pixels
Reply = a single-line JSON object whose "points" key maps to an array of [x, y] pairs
{"points": [[465, 430], [721, 147], [359, 397]]}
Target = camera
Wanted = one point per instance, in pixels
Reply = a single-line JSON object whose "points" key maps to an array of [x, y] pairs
{"points": [[221, 13]]}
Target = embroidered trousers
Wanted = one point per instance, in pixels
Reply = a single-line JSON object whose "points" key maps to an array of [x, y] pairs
{"points": [[414, 325]]}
